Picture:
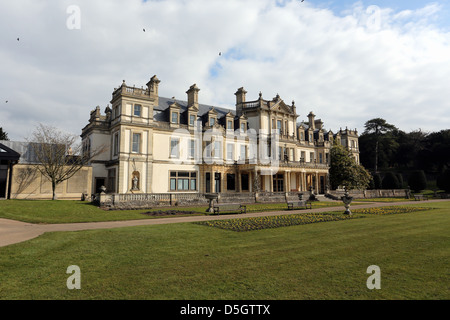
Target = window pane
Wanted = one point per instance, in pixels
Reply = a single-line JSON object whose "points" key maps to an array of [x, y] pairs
{"points": [[136, 142], [191, 119], [137, 110], [217, 149], [116, 144], [174, 117], [208, 150], [183, 174], [193, 184], [173, 173], [229, 151], [174, 148], [243, 152], [185, 184], [173, 184], [192, 148]]}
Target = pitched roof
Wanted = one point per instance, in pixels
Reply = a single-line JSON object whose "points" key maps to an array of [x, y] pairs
{"points": [[7, 153], [164, 104]]}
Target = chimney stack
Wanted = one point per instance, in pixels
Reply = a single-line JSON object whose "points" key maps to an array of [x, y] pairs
{"points": [[193, 95], [152, 87], [240, 99], [311, 117]]}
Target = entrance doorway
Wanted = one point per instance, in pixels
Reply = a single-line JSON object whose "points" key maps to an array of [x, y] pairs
{"points": [[99, 182], [3, 179], [322, 185], [278, 183], [217, 182]]}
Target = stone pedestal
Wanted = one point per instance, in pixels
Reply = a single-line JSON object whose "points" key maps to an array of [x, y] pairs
{"points": [[211, 197]]}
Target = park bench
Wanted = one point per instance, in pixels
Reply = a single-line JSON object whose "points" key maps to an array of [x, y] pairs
{"points": [[419, 197], [298, 203], [227, 207]]}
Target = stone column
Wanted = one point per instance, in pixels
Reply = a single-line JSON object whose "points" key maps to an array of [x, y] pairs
{"points": [[271, 181], [317, 183], [239, 181], [285, 181]]}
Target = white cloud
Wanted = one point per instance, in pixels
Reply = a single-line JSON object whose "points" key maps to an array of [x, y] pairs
{"points": [[339, 66]]}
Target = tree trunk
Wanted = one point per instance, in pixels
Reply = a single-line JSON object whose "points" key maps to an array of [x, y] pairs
{"points": [[54, 190], [376, 156]]}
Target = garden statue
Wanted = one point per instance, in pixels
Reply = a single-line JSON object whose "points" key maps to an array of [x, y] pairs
{"points": [[211, 197], [135, 183]]}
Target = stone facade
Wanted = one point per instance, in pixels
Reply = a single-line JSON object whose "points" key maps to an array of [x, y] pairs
{"points": [[164, 145]]}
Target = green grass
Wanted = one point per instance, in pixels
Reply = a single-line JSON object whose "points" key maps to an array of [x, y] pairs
{"points": [[48, 211], [60, 211], [384, 200], [190, 261]]}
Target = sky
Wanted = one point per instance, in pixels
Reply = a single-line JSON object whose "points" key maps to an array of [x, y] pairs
{"points": [[347, 61]]}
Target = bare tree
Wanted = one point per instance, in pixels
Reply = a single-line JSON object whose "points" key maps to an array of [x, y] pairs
{"points": [[58, 155]]}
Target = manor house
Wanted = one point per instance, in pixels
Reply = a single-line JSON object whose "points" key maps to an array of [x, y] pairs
{"points": [[164, 145]]}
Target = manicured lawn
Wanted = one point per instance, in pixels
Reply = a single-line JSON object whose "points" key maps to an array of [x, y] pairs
{"points": [[47, 211], [385, 200], [326, 260]]}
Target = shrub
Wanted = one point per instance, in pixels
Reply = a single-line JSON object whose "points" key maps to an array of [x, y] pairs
{"points": [[443, 181], [377, 181], [390, 181], [417, 181], [400, 180]]}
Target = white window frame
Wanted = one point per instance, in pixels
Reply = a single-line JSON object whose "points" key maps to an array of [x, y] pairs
{"points": [[137, 143], [174, 151]]}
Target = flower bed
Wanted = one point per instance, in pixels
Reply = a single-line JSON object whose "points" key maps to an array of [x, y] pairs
{"points": [[258, 223], [389, 210], [168, 212]]}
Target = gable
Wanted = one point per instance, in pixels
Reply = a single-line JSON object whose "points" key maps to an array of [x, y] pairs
{"points": [[280, 106], [8, 153]]}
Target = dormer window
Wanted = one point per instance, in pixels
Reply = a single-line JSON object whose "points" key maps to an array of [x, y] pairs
{"points": [[229, 124], [174, 117], [137, 110], [191, 119], [212, 121], [242, 126]]}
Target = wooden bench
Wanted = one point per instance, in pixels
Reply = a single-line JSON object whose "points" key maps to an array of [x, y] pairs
{"points": [[419, 197], [298, 203], [226, 207]]}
